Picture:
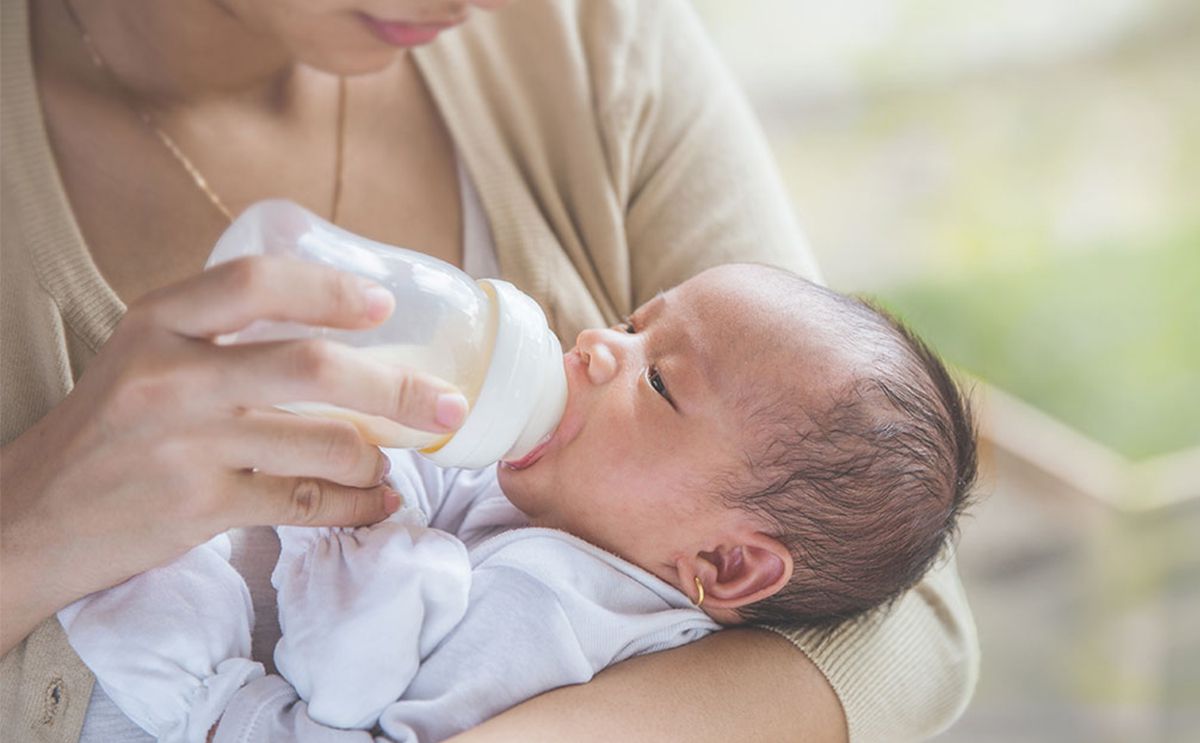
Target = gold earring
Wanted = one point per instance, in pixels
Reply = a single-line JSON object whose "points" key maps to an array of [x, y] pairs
{"points": [[699, 590]]}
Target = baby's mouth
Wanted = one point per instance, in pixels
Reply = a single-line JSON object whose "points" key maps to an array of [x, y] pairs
{"points": [[536, 453], [527, 460]]}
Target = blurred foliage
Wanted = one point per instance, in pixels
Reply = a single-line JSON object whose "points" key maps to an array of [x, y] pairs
{"points": [[1108, 340]]}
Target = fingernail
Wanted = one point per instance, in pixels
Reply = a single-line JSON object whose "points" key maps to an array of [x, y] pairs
{"points": [[384, 468], [379, 300], [451, 410], [391, 501]]}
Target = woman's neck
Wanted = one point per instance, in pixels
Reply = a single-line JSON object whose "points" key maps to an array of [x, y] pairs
{"points": [[168, 54]]}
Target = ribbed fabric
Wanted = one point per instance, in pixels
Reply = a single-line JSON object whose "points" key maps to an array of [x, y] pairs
{"points": [[37, 205], [614, 158], [863, 661]]}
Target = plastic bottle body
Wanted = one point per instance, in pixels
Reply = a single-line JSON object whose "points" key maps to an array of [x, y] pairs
{"points": [[444, 324]]}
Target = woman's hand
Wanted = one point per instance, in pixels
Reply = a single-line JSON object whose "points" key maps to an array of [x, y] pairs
{"points": [[170, 439]]}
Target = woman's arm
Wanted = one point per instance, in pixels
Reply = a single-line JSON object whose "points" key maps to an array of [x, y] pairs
{"points": [[735, 685]]}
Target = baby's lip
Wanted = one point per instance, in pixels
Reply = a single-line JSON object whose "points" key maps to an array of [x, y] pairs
{"points": [[534, 455]]}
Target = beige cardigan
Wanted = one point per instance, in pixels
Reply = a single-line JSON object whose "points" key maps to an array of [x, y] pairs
{"points": [[614, 158]]}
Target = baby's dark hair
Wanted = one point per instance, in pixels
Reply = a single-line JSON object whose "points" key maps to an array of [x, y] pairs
{"points": [[866, 492]]}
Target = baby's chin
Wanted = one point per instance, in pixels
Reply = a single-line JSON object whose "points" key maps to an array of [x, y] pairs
{"points": [[533, 501], [516, 487]]}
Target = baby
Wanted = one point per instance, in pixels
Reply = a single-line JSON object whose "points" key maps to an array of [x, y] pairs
{"points": [[746, 447]]}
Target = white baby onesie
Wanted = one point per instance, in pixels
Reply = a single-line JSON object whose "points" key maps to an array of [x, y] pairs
{"points": [[524, 610], [425, 624]]}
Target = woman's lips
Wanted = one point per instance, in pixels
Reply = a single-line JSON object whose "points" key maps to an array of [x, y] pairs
{"points": [[398, 33]]}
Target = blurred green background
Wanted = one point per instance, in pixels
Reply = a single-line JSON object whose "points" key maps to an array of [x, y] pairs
{"points": [[1021, 182], [1105, 341]]}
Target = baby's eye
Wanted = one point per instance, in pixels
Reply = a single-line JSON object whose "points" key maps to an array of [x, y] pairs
{"points": [[656, 381], [626, 324]]}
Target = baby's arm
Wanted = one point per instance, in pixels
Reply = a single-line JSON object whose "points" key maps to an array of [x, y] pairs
{"points": [[546, 610], [514, 643], [359, 610], [171, 646]]}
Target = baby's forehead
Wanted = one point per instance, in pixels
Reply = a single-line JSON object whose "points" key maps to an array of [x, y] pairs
{"points": [[766, 332]]}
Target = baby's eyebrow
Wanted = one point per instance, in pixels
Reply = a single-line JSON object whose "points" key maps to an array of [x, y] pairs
{"points": [[653, 304]]}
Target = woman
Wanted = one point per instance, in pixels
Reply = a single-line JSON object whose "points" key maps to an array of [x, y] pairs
{"points": [[592, 151]]}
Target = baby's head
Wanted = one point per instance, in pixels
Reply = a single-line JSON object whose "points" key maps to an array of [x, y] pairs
{"points": [[795, 450]]}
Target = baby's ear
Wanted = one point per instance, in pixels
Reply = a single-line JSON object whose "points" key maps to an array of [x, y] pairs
{"points": [[756, 567]]}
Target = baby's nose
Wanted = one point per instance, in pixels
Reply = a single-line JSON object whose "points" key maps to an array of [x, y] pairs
{"points": [[599, 355]]}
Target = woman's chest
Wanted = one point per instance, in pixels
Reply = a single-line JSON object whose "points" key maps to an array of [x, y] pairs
{"points": [[148, 198]]}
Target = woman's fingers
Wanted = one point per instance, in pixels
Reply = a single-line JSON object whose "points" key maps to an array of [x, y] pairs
{"points": [[232, 295], [285, 445], [309, 502], [264, 374]]}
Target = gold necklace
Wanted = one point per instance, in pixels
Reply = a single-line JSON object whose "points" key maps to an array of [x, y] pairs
{"points": [[198, 178]]}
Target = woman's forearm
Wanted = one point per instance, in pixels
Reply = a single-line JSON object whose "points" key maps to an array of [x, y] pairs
{"points": [[21, 609], [32, 557], [23, 602], [735, 685]]}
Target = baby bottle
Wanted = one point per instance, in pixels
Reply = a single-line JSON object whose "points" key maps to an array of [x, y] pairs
{"points": [[487, 337]]}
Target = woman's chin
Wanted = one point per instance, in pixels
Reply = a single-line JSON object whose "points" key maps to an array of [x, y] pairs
{"points": [[353, 62]]}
